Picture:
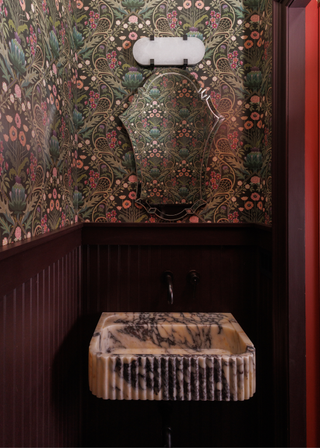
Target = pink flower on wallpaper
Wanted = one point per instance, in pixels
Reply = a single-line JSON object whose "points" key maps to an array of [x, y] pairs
{"points": [[133, 178], [133, 19], [255, 99], [255, 116], [133, 36], [199, 4], [255, 179], [17, 91], [255, 196], [17, 233], [17, 119], [255, 35], [194, 219], [255, 18]]}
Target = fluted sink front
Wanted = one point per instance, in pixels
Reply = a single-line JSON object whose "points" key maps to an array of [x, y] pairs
{"points": [[171, 356]]}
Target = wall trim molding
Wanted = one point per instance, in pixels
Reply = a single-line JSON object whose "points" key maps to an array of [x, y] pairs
{"points": [[17, 268], [173, 234], [288, 223], [42, 250]]}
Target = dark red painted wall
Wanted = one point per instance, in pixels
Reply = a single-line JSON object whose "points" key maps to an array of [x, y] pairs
{"points": [[312, 223]]}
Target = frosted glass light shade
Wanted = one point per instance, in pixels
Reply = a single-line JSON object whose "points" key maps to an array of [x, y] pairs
{"points": [[168, 51]]}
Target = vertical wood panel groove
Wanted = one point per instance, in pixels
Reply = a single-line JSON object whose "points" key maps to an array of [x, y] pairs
{"points": [[80, 273], [127, 273], [139, 275], [88, 275], [119, 301], [98, 277], [4, 369], [58, 324], [49, 353], [43, 353], [14, 389], [30, 358], [23, 359], [109, 271], [36, 342]]}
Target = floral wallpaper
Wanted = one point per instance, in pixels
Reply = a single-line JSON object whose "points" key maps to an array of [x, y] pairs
{"points": [[235, 71], [37, 134], [66, 75]]}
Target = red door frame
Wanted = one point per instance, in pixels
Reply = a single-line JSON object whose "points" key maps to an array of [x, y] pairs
{"points": [[312, 223], [296, 303]]}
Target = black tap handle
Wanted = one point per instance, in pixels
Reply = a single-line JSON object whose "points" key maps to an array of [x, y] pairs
{"points": [[193, 279]]}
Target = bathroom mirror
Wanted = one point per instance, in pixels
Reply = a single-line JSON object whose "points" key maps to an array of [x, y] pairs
{"points": [[171, 123]]}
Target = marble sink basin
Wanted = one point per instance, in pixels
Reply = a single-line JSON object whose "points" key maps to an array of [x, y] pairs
{"points": [[171, 356]]}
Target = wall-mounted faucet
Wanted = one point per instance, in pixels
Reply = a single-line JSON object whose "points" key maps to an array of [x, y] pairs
{"points": [[167, 278], [193, 279]]}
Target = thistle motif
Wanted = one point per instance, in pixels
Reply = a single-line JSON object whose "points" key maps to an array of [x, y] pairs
{"points": [[77, 118], [77, 38], [254, 160], [54, 44], [132, 79], [54, 148], [132, 4], [77, 199], [17, 56], [253, 79], [17, 196]]}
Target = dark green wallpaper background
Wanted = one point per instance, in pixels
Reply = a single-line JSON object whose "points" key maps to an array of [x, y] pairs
{"points": [[67, 73]]}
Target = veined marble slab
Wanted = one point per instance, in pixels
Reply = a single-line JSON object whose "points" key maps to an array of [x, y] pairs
{"points": [[171, 356], [168, 51]]}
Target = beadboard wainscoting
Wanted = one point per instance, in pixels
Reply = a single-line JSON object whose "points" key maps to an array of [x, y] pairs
{"points": [[40, 307], [53, 290]]}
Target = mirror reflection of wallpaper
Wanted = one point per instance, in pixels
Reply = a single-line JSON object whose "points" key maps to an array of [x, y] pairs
{"points": [[67, 73], [171, 125], [236, 71]]}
